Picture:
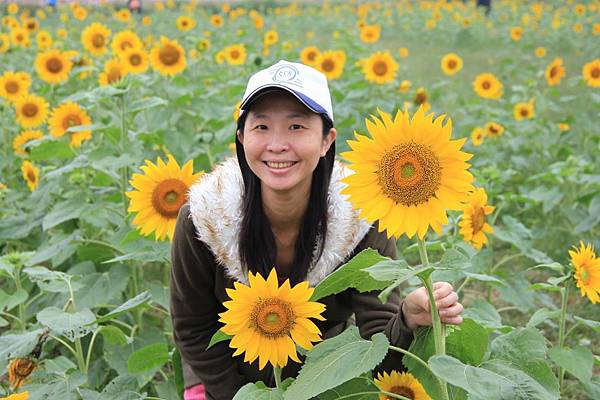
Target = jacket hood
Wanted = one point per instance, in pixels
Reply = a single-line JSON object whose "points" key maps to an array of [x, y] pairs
{"points": [[216, 211]]}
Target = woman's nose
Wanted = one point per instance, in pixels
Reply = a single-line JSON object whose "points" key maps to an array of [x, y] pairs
{"points": [[278, 142]]}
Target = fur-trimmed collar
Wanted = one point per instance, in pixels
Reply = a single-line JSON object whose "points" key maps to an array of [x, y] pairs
{"points": [[215, 208]]}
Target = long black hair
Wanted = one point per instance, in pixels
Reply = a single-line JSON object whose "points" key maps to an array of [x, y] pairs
{"points": [[257, 246]]}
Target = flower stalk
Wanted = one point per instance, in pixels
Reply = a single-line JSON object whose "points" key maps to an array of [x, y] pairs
{"points": [[277, 373], [561, 330]]}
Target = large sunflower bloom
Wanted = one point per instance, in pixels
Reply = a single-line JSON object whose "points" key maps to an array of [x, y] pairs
{"points": [[555, 72], [408, 173], [68, 115], [330, 64], [451, 64], [21, 140], [95, 38], [309, 55], [31, 174], [125, 40], [168, 57], [19, 37], [159, 194], [488, 86], [235, 54], [473, 225], [587, 271], [31, 110], [267, 321], [591, 73], [134, 60], [53, 66], [380, 68], [403, 384], [14, 85]]}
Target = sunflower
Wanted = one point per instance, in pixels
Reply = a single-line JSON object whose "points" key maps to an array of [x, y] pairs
{"points": [[95, 38], [203, 44], [493, 129], [235, 54], [420, 99], [329, 64], [185, 23], [451, 64], [217, 21], [370, 33], [44, 40], [267, 321], [403, 51], [80, 13], [114, 71], [13, 85], [563, 127], [82, 61], [4, 43], [53, 66], [540, 52], [524, 110], [236, 112], [31, 174], [380, 68], [12, 8], [31, 24], [270, 38], [591, 73], [408, 173], [168, 57], [577, 27], [21, 140], [19, 36], [488, 86], [473, 225], [587, 271], [17, 396], [309, 55], [555, 72], [19, 370], [516, 33], [159, 194], [68, 115], [402, 383], [123, 15], [477, 136], [134, 60], [31, 110], [405, 86], [125, 40]]}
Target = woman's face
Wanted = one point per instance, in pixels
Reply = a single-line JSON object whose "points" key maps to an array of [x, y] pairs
{"points": [[283, 141]]}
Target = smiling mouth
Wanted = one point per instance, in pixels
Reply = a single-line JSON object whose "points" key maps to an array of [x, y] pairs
{"points": [[280, 165]]}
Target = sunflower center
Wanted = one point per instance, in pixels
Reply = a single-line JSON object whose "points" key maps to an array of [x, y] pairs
{"points": [[135, 59], [452, 64], [524, 112], [272, 317], [409, 173], [420, 98], [553, 72], [234, 54], [403, 391], [20, 37], [595, 73], [493, 130], [98, 40], [584, 274], [54, 65], [169, 55], [168, 197], [126, 45], [11, 87], [30, 109], [31, 175], [328, 65], [486, 85], [313, 54], [114, 75], [380, 68], [71, 120], [478, 219]]}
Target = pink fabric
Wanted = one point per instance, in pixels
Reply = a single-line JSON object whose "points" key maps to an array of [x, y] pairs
{"points": [[194, 393]]}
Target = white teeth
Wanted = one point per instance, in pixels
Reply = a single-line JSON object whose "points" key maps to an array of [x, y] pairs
{"points": [[279, 165]]}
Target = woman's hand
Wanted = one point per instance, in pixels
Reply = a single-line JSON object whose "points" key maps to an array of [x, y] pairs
{"points": [[416, 306]]}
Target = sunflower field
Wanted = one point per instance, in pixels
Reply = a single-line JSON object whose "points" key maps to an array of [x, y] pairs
{"points": [[475, 141]]}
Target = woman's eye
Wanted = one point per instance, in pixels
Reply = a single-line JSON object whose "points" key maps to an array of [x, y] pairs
{"points": [[296, 126], [260, 127]]}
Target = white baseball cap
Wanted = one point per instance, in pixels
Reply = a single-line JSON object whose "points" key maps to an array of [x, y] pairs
{"points": [[306, 83]]}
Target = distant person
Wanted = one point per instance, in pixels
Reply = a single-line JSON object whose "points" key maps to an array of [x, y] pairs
{"points": [[52, 3], [485, 3], [135, 5]]}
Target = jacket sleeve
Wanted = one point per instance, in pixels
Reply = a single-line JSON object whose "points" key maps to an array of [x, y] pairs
{"points": [[194, 309], [373, 316]]}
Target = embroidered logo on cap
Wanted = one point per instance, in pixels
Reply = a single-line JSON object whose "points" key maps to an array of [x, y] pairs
{"points": [[287, 74]]}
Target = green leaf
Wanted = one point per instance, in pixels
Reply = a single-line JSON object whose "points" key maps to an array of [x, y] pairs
{"points": [[50, 281], [352, 274], [70, 325], [10, 301], [335, 361], [520, 345], [144, 104], [129, 305], [595, 325], [360, 388], [18, 345], [577, 361], [103, 289], [51, 150], [123, 387], [258, 391], [114, 335], [149, 357], [219, 336], [454, 259], [64, 211], [51, 250], [178, 372], [484, 313], [525, 386], [542, 315]]}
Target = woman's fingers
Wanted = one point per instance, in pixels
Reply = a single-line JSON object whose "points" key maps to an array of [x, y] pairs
{"points": [[447, 301], [453, 311], [441, 290]]}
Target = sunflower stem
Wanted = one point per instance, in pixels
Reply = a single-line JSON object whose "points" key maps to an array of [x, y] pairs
{"points": [[561, 331], [124, 170], [277, 373], [21, 307], [439, 334]]}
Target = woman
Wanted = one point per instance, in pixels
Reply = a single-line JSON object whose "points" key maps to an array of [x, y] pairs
{"points": [[279, 204]]}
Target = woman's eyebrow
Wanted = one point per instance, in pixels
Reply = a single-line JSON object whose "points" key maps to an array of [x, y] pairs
{"points": [[297, 114]]}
